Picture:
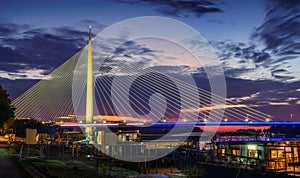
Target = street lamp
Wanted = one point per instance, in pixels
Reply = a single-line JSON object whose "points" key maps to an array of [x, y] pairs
{"points": [[247, 118]]}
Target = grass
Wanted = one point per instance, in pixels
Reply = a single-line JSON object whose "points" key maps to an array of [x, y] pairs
{"points": [[65, 167], [57, 168]]}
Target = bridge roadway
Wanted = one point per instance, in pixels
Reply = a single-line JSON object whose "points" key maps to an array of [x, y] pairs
{"points": [[255, 123]]}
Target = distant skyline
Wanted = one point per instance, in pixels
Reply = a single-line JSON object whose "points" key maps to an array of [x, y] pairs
{"points": [[257, 42]]}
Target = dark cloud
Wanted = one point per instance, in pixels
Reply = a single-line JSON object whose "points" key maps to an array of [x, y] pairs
{"points": [[28, 48], [281, 74], [260, 56], [272, 96], [250, 54], [135, 55], [280, 30], [180, 8], [7, 28], [269, 90], [130, 48], [266, 92], [260, 94], [229, 49], [38, 47], [236, 73], [272, 45]]}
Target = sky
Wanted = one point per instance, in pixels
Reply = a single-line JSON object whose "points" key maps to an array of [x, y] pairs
{"points": [[257, 42]]}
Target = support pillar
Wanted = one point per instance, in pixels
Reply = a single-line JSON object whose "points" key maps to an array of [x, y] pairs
{"points": [[89, 89]]}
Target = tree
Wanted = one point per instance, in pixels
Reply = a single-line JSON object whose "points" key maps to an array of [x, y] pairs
{"points": [[6, 109], [8, 125]]}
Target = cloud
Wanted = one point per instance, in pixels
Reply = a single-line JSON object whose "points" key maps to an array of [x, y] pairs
{"points": [[30, 74], [280, 30], [263, 95], [7, 28], [229, 49], [244, 98], [180, 8], [247, 60], [25, 47], [209, 108], [241, 60], [28, 53], [130, 49], [279, 37], [261, 91], [269, 96], [273, 48]]}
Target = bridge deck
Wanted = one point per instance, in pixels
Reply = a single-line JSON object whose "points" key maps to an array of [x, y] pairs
{"points": [[190, 123]]}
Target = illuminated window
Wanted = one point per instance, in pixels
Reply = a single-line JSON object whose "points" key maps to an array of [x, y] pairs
{"points": [[252, 153], [277, 154], [236, 152], [288, 149], [272, 165], [223, 152], [274, 154], [295, 154], [280, 153]]}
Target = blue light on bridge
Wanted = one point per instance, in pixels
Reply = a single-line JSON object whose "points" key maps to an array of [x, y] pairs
{"points": [[225, 123]]}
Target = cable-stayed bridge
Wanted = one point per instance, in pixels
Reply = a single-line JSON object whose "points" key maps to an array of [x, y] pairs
{"points": [[132, 94], [51, 99]]}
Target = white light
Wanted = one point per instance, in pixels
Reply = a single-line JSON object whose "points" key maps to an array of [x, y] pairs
{"points": [[252, 147], [247, 118]]}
